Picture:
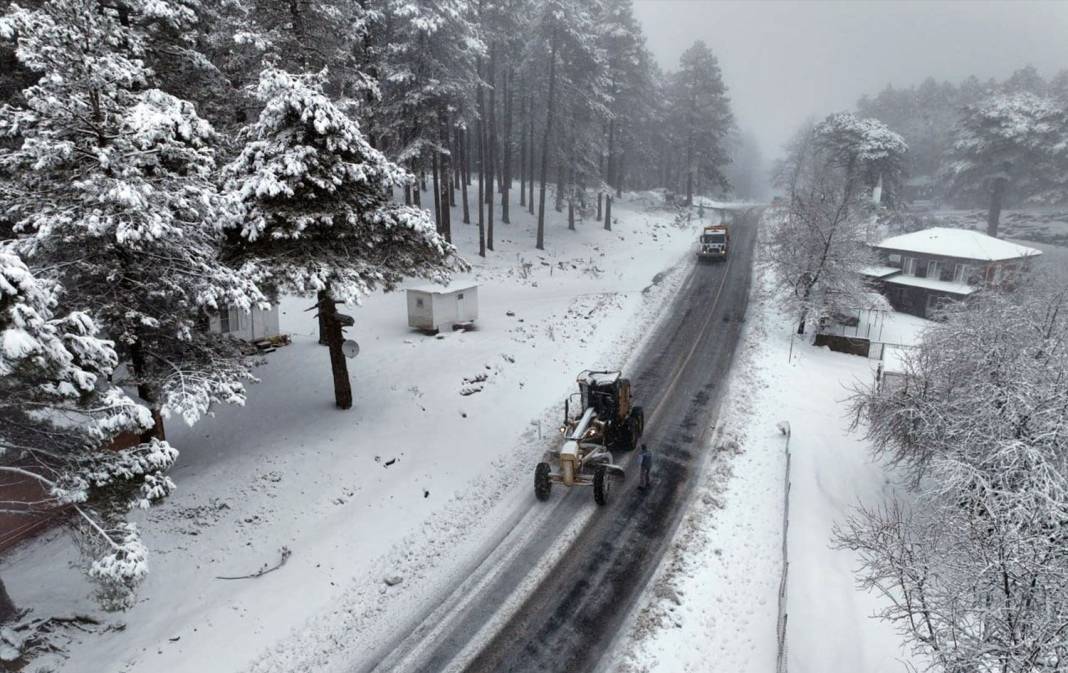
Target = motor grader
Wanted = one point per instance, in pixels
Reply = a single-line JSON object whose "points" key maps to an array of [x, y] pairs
{"points": [[599, 418]]}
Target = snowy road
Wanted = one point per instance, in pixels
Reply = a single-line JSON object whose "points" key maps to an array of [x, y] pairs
{"points": [[554, 586]]}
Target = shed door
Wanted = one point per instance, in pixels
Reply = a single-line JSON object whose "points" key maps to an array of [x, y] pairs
{"points": [[460, 306]]}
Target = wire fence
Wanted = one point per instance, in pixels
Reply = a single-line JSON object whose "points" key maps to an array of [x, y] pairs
{"points": [[781, 665]]}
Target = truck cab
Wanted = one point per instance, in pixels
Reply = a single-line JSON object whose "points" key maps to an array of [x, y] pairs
{"points": [[714, 243]]}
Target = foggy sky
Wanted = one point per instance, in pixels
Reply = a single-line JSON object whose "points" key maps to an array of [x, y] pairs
{"points": [[785, 61]]}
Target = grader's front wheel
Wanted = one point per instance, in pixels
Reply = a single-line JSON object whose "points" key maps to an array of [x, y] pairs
{"points": [[601, 485], [542, 483]]}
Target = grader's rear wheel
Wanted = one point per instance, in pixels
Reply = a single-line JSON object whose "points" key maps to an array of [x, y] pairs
{"points": [[542, 483], [638, 414], [601, 485]]}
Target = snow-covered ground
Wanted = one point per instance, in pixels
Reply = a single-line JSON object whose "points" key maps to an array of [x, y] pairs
{"points": [[407, 486], [713, 605]]}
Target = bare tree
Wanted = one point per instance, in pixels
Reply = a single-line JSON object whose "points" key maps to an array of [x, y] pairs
{"points": [[975, 566]]}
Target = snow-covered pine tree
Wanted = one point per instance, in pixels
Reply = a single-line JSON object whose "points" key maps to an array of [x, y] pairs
{"points": [[868, 153], [57, 410], [429, 78], [110, 187], [1011, 139], [563, 37], [620, 38], [701, 118], [318, 215]]}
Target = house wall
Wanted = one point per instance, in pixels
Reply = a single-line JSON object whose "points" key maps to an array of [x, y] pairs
{"points": [[433, 310], [915, 301], [253, 326], [420, 309]]}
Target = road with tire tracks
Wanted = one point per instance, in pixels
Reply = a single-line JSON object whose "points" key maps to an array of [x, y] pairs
{"points": [[553, 591]]}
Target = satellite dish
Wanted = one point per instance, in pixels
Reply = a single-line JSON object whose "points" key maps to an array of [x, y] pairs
{"points": [[350, 348]]}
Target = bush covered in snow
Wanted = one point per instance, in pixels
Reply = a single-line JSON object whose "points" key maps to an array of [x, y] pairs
{"points": [[976, 565]]}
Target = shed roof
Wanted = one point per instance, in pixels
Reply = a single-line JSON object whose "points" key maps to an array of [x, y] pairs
{"points": [[454, 286], [932, 284], [877, 271], [960, 243]]}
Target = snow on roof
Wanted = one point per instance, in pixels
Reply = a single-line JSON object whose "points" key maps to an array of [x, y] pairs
{"points": [[879, 271], [454, 286], [933, 284], [961, 243], [894, 358]]}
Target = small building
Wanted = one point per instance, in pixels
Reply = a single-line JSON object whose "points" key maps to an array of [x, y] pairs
{"points": [[921, 271], [891, 375], [432, 307], [252, 326]]}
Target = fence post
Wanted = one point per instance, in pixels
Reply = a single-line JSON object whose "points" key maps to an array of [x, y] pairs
{"points": [[780, 665]]}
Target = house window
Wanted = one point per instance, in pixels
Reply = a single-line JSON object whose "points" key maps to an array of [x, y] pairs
{"points": [[961, 273], [895, 259], [908, 266], [932, 270], [419, 302], [460, 296]]}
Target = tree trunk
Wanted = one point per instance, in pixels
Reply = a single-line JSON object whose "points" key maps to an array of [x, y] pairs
{"points": [[997, 196], [439, 222], [491, 138], [522, 165], [467, 155], [481, 132], [600, 213], [611, 153], [447, 198], [320, 298], [571, 189], [559, 201], [618, 174], [454, 162], [465, 167], [417, 195], [506, 170], [8, 612], [540, 244], [146, 392], [338, 366], [608, 212], [530, 157]]}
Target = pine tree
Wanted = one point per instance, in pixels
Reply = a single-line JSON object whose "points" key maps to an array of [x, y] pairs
{"points": [[318, 213], [1017, 140], [110, 188], [701, 118], [56, 413]]}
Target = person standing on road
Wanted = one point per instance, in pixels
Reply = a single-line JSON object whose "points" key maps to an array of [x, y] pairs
{"points": [[645, 463]]}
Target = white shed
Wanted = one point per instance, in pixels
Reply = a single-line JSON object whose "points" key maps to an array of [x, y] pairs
{"points": [[432, 307], [251, 327]]}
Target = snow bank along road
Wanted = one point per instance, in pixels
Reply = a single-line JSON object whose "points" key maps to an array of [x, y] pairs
{"points": [[550, 595]]}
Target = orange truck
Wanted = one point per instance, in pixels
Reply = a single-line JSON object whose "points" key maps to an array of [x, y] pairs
{"points": [[714, 243]]}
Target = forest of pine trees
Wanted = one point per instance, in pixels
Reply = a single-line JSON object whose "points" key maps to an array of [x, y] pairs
{"points": [[163, 159]]}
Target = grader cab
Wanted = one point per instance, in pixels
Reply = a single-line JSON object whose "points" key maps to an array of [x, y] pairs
{"points": [[600, 417]]}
